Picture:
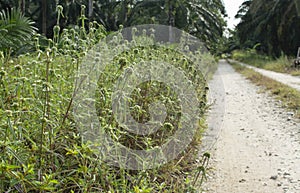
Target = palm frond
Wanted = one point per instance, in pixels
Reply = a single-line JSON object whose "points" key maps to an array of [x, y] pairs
{"points": [[15, 29]]}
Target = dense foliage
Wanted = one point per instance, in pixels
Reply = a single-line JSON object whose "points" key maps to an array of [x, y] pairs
{"points": [[202, 18], [15, 31], [41, 146], [275, 24]]}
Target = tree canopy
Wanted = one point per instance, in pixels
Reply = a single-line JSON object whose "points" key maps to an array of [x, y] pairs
{"points": [[202, 18], [274, 24]]}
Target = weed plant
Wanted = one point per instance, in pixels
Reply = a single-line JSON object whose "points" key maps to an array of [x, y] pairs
{"points": [[40, 145]]}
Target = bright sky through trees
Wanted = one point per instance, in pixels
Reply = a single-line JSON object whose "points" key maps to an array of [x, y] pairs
{"points": [[232, 7]]}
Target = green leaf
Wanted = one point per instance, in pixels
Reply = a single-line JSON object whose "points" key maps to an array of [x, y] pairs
{"points": [[15, 29]]}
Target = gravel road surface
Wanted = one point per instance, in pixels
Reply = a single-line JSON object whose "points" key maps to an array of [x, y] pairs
{"points": [[255, 144], [292, 81]]}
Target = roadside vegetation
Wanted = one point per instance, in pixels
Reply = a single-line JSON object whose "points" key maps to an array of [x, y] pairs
{"points": [[40, 143], [289, 97], [267, 35], [42, 46], [283, 64]]}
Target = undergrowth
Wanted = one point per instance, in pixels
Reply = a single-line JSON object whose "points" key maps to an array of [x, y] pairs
{"points": [[40, 144], [282, 64]]}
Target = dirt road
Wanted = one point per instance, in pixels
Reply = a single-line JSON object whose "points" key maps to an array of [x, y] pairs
{"points": [[292, 81], [257, 144]]}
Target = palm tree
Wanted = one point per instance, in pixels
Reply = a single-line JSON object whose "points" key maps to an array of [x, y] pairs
{"points": [[202, 18], [206, 21], [273, 23], [243, 9], [22, 5], [44, 17], [15, 30]]}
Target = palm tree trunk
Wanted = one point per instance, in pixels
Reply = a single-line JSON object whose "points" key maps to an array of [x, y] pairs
{"points": [[90, 8], [44, 15], [171, 15], [22, 6], [297, 2], [171, 20]]}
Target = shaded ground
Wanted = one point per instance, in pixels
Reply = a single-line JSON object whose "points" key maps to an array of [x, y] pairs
{"points": [[257, 147]]}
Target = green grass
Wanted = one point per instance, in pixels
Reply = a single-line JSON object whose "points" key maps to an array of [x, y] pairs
{"points": [[295, 73], [290, 97], [282, 64], [250, 57], [40, 143]]}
